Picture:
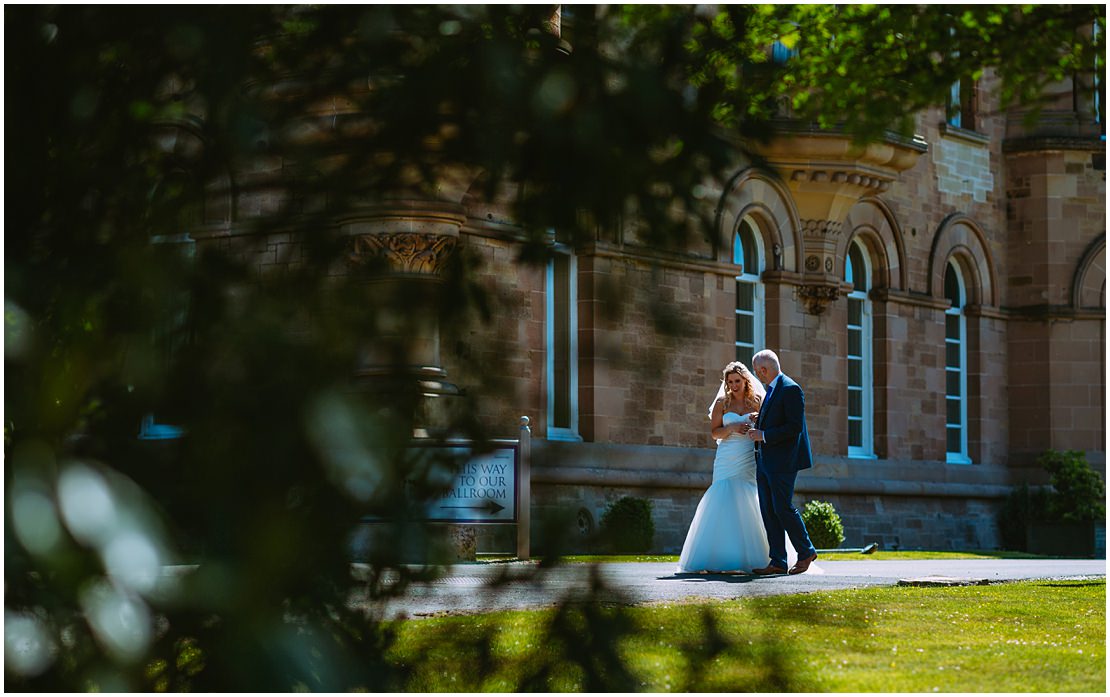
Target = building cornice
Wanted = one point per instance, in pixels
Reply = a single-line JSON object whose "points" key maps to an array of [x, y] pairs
{"points": [[675, 260], [901, 297], [1033, 144], [1045, 313]]}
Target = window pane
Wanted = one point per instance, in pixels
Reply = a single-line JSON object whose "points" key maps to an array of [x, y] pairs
{"points": [[954, 104], [745, 296], [855, 402], [855, 371], [859, 271], [744, 250], [952, 287], [952, 326], [751, 258], [952, 355], [952, 383], [855, 312], [855, 342], [855, 433], [744, 332], [561, 349], [954, 412], [954, 440]]}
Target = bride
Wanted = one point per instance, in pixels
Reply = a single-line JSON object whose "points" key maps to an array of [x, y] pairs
{"points": [[727, 534]]}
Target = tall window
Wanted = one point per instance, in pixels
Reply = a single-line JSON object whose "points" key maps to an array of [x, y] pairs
{"points": [[1100, 83], [962, 97], [562, 346], [169, 336], [746, 253], [955, 367], [861, 439]]}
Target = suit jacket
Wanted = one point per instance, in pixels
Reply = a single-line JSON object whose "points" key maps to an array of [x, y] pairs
{"points": [[785, 446]]}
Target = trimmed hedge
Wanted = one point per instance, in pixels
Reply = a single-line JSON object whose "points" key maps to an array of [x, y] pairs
{"points": [[823, 525], [627, 527]]}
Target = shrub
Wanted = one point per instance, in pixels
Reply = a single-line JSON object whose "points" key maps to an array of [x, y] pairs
{"points": [[626, 526], [1076, 496], [1078, 491], [823, 524]]}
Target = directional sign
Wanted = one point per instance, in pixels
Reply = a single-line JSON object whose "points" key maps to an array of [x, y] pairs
{"points": [[483, 490]]}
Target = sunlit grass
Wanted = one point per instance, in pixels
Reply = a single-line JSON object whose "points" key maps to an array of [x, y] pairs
{"points": [[1037, 636], [826, 556]]}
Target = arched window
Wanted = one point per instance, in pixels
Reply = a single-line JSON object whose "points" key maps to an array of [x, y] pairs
{"points": [[955, 366], [861, 421], [747, 253]]}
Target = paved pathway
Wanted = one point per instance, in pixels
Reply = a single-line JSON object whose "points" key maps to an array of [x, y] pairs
{"points": [[468, 588]]}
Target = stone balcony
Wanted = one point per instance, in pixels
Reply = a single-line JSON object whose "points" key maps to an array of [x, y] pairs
{"points": [[827, 173]]}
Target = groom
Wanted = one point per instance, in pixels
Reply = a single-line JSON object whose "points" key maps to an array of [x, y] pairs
{"points": [[782, 450]]}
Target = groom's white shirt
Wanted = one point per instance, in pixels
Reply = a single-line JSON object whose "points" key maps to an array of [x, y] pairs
{"points": [[772, 385]]}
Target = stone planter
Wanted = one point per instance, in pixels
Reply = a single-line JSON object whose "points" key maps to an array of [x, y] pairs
{"points": [[1062, 539]]}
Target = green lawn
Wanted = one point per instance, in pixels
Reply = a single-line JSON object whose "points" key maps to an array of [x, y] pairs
{"points": [[1037, 636], [834, 556]]}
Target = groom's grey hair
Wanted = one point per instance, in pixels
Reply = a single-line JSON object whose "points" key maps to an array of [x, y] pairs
{"points": [[766, 357]]}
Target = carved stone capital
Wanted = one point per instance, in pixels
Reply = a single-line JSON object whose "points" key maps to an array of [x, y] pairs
{"points": [[406, 252], [816, 298], [412, 237]]}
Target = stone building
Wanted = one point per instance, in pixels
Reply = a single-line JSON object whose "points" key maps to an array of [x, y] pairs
{"points": [[941, 300]]}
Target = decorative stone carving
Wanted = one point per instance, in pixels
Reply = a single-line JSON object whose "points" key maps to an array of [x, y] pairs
{"points": [[821, 176], [813, 263], [816, 298], [406, 252], [820, 228], [828, 173]]}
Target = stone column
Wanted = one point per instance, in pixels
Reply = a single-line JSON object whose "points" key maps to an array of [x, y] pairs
{"points": [[403, 247]]}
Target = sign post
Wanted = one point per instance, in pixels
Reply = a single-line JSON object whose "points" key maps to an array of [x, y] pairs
{"points": [[489, 488], [524, 492]]}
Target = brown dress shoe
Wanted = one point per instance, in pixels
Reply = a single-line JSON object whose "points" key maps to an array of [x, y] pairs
{"points": [[803, 564], [769, 570]]}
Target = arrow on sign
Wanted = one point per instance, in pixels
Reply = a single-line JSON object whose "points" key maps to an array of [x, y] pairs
{"points": [[491, 506]]}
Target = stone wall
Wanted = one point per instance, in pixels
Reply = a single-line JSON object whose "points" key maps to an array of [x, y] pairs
{"points": [[905, 503], [654, 335], [499, 359]]}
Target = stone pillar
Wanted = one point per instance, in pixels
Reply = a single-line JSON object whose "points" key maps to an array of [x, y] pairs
{"points": [[402, 248]]}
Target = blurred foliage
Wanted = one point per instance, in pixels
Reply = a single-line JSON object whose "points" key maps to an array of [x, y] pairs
{"points": [[130, 128]]}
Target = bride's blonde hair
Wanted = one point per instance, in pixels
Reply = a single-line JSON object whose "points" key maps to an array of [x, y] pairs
{"points": [[753, 390]]}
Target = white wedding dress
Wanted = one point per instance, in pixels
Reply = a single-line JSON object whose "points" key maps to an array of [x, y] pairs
{"points": [[727, 533]]}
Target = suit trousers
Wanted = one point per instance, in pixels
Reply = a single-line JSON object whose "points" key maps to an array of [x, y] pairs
{"points": [[780, 517]]}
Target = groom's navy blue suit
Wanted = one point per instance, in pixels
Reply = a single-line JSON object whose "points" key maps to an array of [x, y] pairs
{"points": [[783, 453]]}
